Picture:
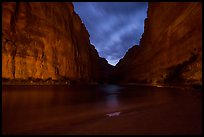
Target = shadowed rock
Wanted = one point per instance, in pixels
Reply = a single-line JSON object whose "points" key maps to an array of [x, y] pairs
{"points": [[105, 70], [170, 49]]}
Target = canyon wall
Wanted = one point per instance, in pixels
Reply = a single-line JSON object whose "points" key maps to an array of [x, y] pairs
{"points": [[170, 50], [105, 71], [46, 41]]}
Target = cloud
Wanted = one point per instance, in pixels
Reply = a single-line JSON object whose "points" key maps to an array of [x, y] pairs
{"points": [[114, 27]]}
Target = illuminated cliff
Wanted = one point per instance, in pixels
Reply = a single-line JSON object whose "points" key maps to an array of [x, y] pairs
{"points": [[46, 40]]}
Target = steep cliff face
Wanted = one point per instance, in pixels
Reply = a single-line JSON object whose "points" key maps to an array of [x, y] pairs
{"points": [[170, 50], [105, 71], [46, 40]]}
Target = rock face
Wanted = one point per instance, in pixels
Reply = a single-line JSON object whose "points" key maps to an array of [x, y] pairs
{"points": [[46, 40], [170, 51], [105, 71]]}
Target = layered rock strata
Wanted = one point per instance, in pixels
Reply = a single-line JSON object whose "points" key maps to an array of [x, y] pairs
{"points": [[46, 41]]}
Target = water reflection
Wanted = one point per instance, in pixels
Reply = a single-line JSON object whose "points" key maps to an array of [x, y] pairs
{"points": [[25, 98], [112, 92], [32, 106], [111, 89], [112, 101]]}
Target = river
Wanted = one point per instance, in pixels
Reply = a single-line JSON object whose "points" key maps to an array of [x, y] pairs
{"points": [[100, 109]]}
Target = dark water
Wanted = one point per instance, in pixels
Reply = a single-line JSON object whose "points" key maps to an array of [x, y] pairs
{"points": [[40, 109]]}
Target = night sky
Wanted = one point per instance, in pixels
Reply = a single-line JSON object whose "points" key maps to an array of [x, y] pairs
{"points": [[114, 27]]}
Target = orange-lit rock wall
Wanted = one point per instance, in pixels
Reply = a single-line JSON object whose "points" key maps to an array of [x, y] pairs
{"points": [[170, 50], [46, 40]]}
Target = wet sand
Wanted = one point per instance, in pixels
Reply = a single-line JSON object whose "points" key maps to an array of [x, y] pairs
{"points": [[83, 110]]}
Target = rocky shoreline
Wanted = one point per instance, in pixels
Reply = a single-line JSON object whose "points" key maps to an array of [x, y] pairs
{"points": [[44, 82], [74, 82]]}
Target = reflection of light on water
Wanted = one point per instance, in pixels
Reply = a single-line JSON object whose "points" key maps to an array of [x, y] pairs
{"points": [[112, 95], [111, 89], [113, 114], [112, 101], [159, 86]]}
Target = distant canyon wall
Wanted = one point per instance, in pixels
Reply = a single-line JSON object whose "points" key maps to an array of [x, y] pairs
{"points": [[105, 70], [170, 50], [46, 40]]}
